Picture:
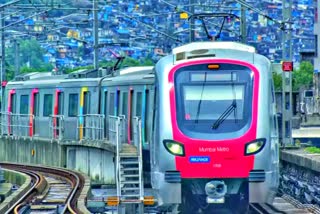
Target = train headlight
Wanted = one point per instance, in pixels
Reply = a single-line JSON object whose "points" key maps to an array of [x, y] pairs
{"points": [[174, 147], [255, 146]]}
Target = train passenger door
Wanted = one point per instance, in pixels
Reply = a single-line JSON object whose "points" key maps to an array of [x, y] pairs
{"points": [[11, 109], [72, 121], [130, 113], [124, 112], [106, 115], [58, 112], [137, 104], [47, 112], [84, 110], [34, 110]]}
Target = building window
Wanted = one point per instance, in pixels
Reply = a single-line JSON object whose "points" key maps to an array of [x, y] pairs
{"points": [[24, 104], [47, 105], [73, 105]]}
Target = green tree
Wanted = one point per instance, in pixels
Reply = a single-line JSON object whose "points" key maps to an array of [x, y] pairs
{"points": [[31, 58], [128, 62], [277, 80], [303, 76]]}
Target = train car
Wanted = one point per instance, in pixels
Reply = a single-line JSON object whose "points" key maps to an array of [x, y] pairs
{"points": [[208, 123], [215, 141], [42, 105]]}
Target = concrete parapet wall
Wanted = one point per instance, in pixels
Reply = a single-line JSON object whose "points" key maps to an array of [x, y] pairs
{"points": [[85, 193], [14, 177], [95, 159], [35, 151], [24, 182], [301, 158], [97, 163], [300, 177]]}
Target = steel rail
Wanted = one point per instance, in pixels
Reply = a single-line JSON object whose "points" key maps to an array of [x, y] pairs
{"points": [[74, 178], [264, 209], [37, 178]]}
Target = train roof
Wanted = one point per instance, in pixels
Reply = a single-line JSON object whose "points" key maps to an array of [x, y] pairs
{"points": [[47, 78], [131, 75], [135, 70], [202, 46]]}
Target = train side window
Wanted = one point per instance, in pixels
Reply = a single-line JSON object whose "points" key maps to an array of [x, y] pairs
{"points": [[47, 105], [60, 103], [86, 102], [111, 105], [73, 105], [24, 104], [138, 104], [125, 103]]}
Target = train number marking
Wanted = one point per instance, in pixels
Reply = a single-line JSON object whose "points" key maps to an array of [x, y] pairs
{"points": [[217, 165]]}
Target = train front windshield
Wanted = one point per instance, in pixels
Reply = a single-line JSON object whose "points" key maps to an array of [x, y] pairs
{"points": [[213, 102]]}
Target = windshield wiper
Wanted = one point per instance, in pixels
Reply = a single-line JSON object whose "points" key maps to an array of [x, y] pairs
{"points": [[200, 101], [225, 114]]}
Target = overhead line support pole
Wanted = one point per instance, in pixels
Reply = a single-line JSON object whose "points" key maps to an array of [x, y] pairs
{"points": [[3, 69], [243, 25], [95, 35], [286, 76], [192, 22], [17, 57]]}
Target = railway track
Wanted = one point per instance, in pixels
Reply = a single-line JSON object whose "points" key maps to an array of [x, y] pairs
{"points": [[58, 182], [264, 209], [283, 204]]}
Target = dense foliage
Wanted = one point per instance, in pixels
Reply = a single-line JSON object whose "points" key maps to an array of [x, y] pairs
{"points": [[31, 58], [301, 77]]}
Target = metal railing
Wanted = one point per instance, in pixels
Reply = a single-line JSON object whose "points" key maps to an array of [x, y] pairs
{"points": [[116, 129], [18, 125], [91, 127], [56, 127], [122, 129], [114, 123], [137, 137], [139, 146]]}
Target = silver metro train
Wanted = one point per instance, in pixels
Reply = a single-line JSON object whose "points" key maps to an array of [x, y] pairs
{"points": [[208, 122], [216, 137]]}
